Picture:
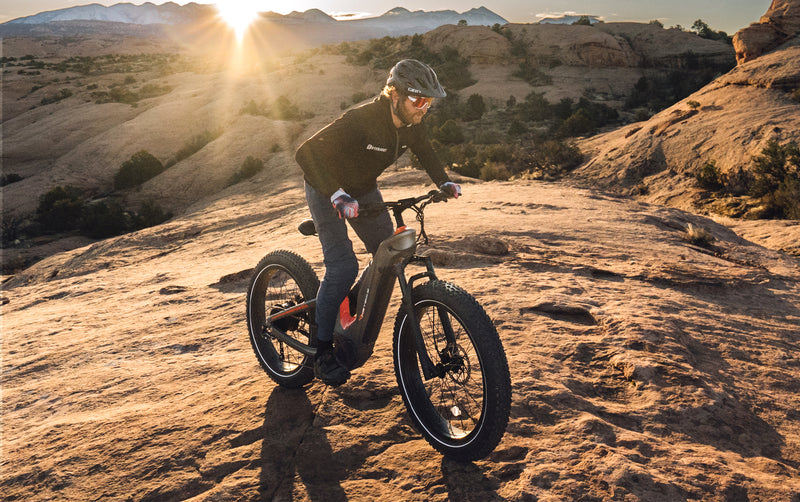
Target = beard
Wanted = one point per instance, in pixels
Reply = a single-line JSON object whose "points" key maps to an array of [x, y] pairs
{"points": [[409, 118]]}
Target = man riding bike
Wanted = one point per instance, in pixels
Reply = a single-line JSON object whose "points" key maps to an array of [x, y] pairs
{"points": [[341, 164]]}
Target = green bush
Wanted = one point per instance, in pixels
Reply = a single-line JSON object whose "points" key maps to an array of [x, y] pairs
{"points": [[583, 21], [249, 168], [494, 171], [196, 143], [709, 177], [62, 94], [777, 179], [579, 123], [10, 178], [104, 219], [702, 29], [149, 215], [449, 133], [776, 164], [60, 209], [475, 108], [139, 168], [530, 73], [280, 109]]}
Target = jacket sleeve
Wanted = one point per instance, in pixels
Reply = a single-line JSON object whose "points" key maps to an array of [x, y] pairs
{"points": [[421, 146], [321, 156]]}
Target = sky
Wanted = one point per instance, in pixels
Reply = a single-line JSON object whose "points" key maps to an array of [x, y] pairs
{"points": [[725, 15]]}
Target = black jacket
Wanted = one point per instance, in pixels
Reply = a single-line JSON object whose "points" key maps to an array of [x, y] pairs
{"points": [[352, 151]]}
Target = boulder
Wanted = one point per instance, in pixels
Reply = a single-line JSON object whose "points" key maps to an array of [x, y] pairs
{"points": [[780, 24]]}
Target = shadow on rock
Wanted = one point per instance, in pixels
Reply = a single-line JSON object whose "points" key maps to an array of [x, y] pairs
{"points": [[296, 458]]}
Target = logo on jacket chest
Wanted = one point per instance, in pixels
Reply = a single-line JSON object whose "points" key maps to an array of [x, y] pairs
{"points": [[377, 148]]}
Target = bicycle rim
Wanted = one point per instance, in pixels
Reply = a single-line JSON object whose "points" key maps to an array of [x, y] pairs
{"points": [[279, 290], [451, 407]]}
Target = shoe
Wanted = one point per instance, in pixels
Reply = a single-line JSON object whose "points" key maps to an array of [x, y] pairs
{"points": [[328, 369]]}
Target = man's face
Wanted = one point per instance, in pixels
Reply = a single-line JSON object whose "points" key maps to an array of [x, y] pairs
{"points": [[409, 113]]}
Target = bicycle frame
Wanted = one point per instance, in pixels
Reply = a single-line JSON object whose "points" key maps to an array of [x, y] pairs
{"points": [[362, 312]]}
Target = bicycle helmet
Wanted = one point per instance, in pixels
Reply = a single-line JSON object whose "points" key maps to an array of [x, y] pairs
{"points": [[415, 78]]}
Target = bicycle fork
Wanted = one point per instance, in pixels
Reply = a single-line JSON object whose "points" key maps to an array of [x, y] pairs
{"points": [[429, 369]]}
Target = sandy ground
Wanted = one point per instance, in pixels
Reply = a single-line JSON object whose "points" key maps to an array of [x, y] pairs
{"points": [[643, 367]]}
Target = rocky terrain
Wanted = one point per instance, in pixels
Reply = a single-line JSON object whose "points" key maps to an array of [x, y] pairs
{"points": [[644, 367], [732, 120], [653, 350]]}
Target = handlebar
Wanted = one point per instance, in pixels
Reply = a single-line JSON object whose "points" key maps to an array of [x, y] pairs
{"points": [[416, 204], [398, 206]]}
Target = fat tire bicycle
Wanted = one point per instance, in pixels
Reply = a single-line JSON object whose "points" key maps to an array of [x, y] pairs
{"points": [[448, 359]]}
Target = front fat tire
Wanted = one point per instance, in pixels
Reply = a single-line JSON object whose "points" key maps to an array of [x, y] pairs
{"points": [[441, 408], [282, 276]]}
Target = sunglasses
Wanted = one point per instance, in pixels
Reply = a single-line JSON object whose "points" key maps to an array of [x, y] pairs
{"points": [[420, 101]]}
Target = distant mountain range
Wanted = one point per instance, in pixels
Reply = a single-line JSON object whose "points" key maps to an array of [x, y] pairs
{"points": [[396, 21]]}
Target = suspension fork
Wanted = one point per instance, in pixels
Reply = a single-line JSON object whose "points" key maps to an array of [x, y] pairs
{"points": [[429, 369]]}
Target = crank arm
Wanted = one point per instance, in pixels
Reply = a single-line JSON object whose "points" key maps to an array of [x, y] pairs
{"points": [[292, 342]]}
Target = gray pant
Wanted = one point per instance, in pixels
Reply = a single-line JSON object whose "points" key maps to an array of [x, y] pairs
{"points": [[341, 264]]}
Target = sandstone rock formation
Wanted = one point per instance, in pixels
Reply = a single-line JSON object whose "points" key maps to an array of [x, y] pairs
{"points": [[780, 23], [611, 45], [644, 367]]}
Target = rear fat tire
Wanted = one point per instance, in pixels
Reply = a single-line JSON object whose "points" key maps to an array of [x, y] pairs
{"points": [[282, 277], [440, 408]]}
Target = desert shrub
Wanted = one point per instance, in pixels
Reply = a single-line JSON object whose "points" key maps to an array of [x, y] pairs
{"points": [[583, 21], [452, 69], [62, 94], [776, 173], [494, 171], [516, 128], [449, 133], [698, 236], [153, 90], [474, 108], [10, 230], [139, 168], [60, 209], [659, 91], [382, 53], [280, 109], [150, 214], [657, 23], [737, 181], [552, 159], [535, 108], [10, 178], [577, 124], [709, 177], [530, 73], [249, 168], [776, 164], [469, 168], [703, 30], [196, 143], [104, 219], [693, 104]]}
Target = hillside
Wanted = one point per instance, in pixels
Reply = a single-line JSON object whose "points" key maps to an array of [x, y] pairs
{"points": [[738, 115], [76, 108], [644, 367]]}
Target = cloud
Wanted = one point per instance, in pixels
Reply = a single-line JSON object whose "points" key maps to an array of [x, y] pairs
{"points": [[348, 16]]}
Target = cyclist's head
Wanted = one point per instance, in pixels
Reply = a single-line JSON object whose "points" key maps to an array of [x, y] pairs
{"points": [[414, 78]]}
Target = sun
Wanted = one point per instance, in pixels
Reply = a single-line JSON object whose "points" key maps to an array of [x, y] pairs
{"points": [[238, 14]]}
